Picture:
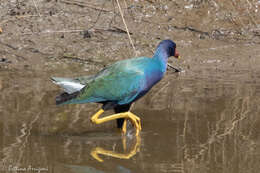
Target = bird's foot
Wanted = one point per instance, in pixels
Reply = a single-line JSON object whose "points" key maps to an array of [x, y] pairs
{"points": [[135, 120], [126, 115]]}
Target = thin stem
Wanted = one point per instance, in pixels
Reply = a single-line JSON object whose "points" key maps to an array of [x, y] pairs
{"points": [[122, 15]]}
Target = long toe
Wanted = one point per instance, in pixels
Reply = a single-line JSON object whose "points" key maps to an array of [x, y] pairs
{"points": [[135, 121]]}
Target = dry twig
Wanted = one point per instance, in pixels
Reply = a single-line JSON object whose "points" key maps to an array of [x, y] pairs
{"points": [[122, 15], [49, 31], [81, 4], [36, 8]]}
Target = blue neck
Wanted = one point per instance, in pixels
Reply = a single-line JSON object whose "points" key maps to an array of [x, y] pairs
{"points": [[162, 56]]}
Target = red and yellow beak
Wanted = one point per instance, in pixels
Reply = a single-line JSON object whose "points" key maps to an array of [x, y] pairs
{"points": [[176, 55]]}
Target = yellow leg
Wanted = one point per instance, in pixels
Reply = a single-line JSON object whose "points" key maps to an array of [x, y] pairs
{"points": [[128, 115], [124, 142], [124, 126]]}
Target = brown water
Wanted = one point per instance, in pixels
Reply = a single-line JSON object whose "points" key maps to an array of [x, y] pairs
{"points": [[204, 119]]}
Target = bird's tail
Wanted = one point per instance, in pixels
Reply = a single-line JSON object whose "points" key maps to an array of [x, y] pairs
{"points": [[65, 98], [69, 85]]}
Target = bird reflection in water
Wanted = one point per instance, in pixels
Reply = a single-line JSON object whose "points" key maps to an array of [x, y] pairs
{"points": [[133, 149]]}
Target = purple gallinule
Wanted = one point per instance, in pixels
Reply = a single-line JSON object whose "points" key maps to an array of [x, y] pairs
{"points": [[118, 85]]}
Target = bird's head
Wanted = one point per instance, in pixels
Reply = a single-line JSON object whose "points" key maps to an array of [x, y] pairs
{"points": [[169, 48]]}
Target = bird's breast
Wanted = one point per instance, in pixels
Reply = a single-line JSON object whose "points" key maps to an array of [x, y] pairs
{"points": [[152, 77]]}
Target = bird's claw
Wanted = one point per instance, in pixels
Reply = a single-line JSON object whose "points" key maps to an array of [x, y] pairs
{"points": [[136, 122]]}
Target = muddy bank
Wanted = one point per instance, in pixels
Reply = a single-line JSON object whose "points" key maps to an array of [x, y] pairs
{"points": [[92, 33]]}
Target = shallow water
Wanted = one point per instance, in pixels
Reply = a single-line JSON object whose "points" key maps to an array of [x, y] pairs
{"points": [[204, 119]]}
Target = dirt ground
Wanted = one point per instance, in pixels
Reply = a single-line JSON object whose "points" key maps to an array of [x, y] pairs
{"points": [[53, 34]]}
